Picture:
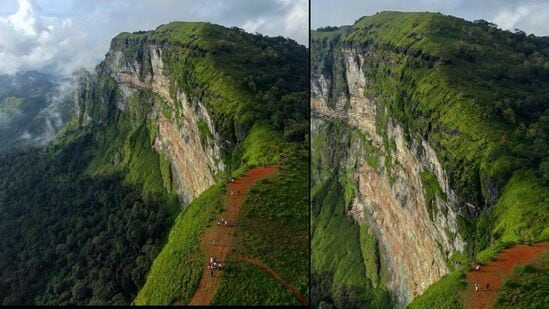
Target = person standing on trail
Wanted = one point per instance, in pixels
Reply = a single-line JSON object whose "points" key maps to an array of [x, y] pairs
{"points": [[476, 287]]}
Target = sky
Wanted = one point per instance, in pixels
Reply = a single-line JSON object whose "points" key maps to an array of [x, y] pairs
{"points": [[530, 16], [64, 35]]}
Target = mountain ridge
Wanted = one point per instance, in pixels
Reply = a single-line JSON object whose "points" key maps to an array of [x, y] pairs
{"points": [[448, 113]]}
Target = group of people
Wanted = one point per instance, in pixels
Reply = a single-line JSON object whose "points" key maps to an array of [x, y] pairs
{"points": [[477, 286], [222, 222], [213, 264], [476, 267]]}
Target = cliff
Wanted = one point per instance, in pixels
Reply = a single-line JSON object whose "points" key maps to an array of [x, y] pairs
{"points": [[417, 100], [193, 86]]}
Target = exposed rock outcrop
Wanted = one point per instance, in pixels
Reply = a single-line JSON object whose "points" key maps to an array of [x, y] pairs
{"points": [[416, 236], [194, 159]]}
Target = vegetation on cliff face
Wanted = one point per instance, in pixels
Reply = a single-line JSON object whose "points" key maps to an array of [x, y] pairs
{"points": [[478, 95], [346, 270]]}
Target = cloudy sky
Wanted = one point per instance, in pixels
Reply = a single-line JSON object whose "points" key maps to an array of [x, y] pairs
{"points": [[63, 35], [531, 16]]}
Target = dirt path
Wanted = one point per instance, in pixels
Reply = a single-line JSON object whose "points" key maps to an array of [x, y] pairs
{"points": [[295, 292], [495, 272], [223, 236]]}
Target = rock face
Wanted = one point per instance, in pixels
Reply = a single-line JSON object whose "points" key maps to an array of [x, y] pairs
{"points": [[416, 235], [194, 159], [193, 164]]}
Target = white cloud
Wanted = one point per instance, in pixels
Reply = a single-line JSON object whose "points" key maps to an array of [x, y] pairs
{"points": [[62, 36], [508, 19], [289, 18], [32, 41]]}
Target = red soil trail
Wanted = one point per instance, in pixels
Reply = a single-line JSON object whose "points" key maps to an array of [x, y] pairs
{"points": [[295, 292], [223, 235], [496, 272]]}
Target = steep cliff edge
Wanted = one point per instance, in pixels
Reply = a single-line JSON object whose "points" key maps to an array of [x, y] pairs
{"points": [[200, 93], [436, 152]]}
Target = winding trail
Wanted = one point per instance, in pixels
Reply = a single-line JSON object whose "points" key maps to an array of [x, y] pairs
{"points": [[496, 272], [295, 292], [224, 235]]}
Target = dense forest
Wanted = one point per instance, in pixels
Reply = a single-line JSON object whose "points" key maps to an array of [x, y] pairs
{"points": [[66, 236]]}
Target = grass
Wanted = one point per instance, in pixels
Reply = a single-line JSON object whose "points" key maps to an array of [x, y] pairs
{"points": [[527, 287], [522, 212], [262, 146], [274, 222], [370, 254], [205, 133], [445, 293], [335, 243], [177, 270], [247, 284], [432, 190]]}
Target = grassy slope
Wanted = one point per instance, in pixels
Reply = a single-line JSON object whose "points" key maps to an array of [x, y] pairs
{"points": [[445, 293], [527, 287], [479, 95], [273, 228], [247, 284], [176, 271]]}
